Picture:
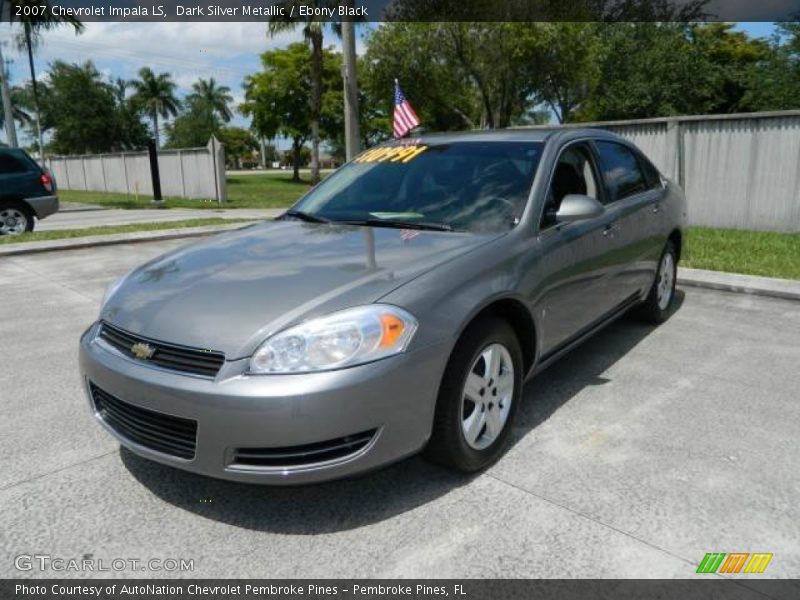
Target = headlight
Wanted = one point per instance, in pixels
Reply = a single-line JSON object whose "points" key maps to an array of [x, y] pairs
{"points": [[110, 290], [342, 339]]}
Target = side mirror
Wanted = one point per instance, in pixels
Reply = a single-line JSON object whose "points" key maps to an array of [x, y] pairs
{"points": [[577, 207]]}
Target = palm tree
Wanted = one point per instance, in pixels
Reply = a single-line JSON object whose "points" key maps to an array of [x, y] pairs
{"points": [[215, 97], [18, 112], [120, 88], [156, 94], [32, 27], [313, 28]]}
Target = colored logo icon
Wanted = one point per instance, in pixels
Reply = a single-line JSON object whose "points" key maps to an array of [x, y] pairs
{"points": [[734, 562]]}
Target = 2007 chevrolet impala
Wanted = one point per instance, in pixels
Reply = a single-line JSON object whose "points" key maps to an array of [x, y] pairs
{"points": [[398, 306]]}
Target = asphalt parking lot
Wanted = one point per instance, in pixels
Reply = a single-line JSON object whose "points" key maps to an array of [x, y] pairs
{"points": [[632, 457]]}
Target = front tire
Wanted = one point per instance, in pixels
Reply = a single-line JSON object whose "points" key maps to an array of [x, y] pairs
{"points": [[657, 306], [479, 397]]}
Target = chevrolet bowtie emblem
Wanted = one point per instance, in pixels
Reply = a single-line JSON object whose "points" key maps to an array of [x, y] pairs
{"points": [[143, 351]]}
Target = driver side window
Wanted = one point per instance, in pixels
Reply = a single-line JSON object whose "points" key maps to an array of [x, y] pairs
{"points": [[573, 174]]}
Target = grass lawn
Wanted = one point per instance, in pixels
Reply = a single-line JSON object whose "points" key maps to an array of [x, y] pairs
{"points": [[274, 189], [60, 234], [764, 253]]}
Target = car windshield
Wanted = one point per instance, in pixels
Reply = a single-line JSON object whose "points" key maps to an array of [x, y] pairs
{"points": [[476, 186]]}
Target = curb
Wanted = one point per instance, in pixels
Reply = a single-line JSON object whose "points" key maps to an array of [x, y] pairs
{"points": [[115, 238], [70, 207], [78, 210], [786, 289]]}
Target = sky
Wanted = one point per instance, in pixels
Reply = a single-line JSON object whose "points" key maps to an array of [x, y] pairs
{"points": [[188, 51], [226, 51]]}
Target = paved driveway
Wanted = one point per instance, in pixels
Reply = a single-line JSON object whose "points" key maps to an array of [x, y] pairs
{"points": [[633, 457]]}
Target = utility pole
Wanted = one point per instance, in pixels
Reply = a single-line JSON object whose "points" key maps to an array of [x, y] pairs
{"points": [[8, 111], [351, 135]]}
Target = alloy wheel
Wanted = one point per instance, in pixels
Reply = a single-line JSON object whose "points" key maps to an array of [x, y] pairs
{"points": [[487, 396], [666, 281]]}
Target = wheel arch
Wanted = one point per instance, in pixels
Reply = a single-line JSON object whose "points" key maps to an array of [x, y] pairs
{"points": [[676, 237], [515, 312], [17, 202]]}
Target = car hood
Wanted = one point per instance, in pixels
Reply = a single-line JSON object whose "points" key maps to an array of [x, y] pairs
{"points": [[231, 291]]}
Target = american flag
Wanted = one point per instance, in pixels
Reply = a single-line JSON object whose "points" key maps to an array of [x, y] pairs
{"points": [[405, 119]]}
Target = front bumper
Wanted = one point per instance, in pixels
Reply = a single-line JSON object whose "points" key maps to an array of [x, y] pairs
{"points": [[395, 397], [43, 206]]}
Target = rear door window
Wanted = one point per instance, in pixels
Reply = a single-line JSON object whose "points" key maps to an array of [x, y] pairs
{"points": [[650, 172], [621, 171], [11, 165]]}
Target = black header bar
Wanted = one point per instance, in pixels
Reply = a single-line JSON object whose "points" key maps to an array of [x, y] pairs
{"points": [[406, 10]]}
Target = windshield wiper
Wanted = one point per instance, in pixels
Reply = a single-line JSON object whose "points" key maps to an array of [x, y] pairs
{"points": [[423, 225], [304, 216]]}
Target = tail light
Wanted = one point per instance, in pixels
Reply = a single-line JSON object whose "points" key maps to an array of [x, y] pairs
{"points": [[47, 182]]}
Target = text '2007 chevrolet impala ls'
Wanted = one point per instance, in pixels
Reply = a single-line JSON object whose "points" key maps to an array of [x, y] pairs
{"points": [[397, 307]]}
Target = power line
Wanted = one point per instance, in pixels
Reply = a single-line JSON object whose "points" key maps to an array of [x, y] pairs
{"points": [[153, 58]]}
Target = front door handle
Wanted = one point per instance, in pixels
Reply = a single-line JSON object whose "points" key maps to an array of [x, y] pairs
{"points": [[657, 206]]}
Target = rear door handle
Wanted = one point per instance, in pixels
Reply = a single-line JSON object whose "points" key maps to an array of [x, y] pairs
{"points": [[657, 206], [610, 229]]}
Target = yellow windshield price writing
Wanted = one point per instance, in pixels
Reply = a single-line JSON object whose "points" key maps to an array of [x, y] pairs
{"points": [[391, 154]]}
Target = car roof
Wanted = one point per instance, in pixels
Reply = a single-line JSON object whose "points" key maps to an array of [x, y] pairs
{"points": [[10, 150], [521, 134]]}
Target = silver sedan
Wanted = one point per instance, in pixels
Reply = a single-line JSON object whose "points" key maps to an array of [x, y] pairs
{"points": [[397, 307]]}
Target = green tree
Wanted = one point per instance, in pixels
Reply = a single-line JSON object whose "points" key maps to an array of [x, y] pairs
{"points": [[20, 107], [216, 97], [85, 114], [313, 28], [276, 99], [775, 81], [33, 24], [131, 133], [297, 157], [463, 74], [412, 53], [156, 95], [662, 69], [502, 60], [239, 144], [734, 60], [570, 66], [193, 127], [649, 70], [201, 115], [24, 109], [457, 75]]}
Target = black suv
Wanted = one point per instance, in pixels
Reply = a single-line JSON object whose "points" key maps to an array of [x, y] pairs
{"points": [[26, 191]]}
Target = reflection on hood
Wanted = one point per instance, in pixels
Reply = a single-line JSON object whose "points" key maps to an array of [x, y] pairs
{"points": [[231, 291]]}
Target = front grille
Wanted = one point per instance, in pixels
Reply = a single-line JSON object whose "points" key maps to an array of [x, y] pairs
{"points": [[154, 430], [293, 456], [166, 356]]}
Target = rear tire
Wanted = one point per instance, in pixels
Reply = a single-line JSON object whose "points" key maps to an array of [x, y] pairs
{"points": [[656, 308], [15, 218], [479, 398]]}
